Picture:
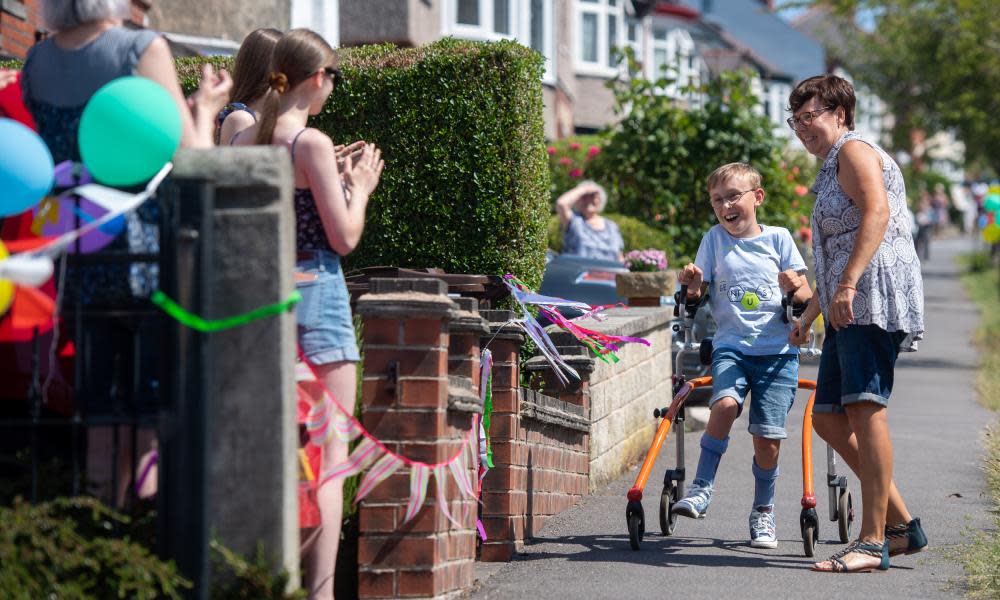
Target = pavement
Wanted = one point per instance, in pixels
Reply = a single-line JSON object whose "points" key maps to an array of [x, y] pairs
{"points": [[937, 428]]}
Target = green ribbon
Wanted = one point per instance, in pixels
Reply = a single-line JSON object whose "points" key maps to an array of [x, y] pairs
{"points": [[487, 413], [195, 322]]}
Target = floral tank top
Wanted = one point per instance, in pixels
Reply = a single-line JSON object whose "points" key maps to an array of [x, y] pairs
{"points": [[890, 292]]}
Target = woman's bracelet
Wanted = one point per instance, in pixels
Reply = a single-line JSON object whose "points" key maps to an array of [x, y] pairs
{"points": [[848, 287]]}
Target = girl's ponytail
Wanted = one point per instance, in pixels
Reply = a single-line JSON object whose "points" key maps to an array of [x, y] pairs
{"points": [[269, 116]]}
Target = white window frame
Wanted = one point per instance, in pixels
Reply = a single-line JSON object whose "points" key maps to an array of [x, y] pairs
{"points": [[520, 28], [639, 45], [322, 16], [602, 10]]}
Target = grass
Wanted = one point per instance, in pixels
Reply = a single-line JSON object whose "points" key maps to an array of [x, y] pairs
{"points": [[981, 557]]}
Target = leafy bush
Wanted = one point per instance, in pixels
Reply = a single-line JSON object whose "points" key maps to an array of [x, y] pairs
{"points": [[656, 161], [78, 548], [569, 161], [459, 123], [635, 234]]}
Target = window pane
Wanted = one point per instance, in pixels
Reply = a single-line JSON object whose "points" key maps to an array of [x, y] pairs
{"points": [[588, 34], [538, 25], [659, 60], [612, 2], [659, 33], [468, 12], [501, 16], [612, 39], [590, 1], [633, 31]]}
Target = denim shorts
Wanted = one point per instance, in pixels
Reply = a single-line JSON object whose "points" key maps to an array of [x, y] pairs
{"points": [[771, 380], [325, 327], [857, 366]]}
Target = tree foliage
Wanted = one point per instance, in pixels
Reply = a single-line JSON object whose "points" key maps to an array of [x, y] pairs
{"points": [[936, 63]]}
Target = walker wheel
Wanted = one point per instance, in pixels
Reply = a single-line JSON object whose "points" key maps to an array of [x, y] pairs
{"points": [[636, 525], [667, 519], [809, 540], [845, 514], [809, 523]]}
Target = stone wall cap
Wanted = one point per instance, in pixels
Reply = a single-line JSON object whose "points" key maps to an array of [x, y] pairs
{"points": [[632, 321], [468, 322], [408, 304]]}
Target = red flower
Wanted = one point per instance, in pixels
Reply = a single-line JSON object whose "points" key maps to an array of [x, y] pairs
{"points": [[803, 219], [566, 161], [801, 190], [658, 217], [791, 177], [593, 151], [795, 170], [795, 203], [576, 173], [574, 146], [551, 150], [806, 234]]}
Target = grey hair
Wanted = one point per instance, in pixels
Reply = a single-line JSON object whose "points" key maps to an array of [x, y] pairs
{"points": [[602, 194], [63, 14]]}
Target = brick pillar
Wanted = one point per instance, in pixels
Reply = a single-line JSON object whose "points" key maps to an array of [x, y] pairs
{"points": [[504, 497], [406, 406]]}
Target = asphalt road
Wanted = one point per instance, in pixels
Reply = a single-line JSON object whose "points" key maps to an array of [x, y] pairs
{"points": [[937, 429]]}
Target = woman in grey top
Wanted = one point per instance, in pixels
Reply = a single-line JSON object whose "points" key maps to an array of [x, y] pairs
{"points": [[870, 291], [585, 232]]}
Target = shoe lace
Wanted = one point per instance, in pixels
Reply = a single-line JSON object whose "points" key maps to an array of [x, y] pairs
{"points": [[762, 521]]}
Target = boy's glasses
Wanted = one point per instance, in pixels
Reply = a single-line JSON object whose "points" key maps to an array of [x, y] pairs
{"points": [[334, 75], [806, 119], [730, 199]]}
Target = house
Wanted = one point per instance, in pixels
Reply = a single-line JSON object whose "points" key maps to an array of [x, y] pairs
{"points": [[21, 24]]}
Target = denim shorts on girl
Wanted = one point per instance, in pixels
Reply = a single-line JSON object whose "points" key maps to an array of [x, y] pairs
{"points": [[857, 366], [325, 326], [771, 380]]}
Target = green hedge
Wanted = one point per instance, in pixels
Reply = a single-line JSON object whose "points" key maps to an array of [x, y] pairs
{"points": [[466, 183]]}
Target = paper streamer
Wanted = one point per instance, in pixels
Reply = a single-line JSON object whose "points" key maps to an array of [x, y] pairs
{"points": [[364, 455], [460, 471], [419, 475], [210, 326], [486, 393], [386, 466], [440, 481]]}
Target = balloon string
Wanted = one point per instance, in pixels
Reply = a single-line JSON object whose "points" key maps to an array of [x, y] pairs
{"points": [[208, 326]]}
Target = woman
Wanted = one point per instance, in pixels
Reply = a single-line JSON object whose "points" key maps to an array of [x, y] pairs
{"points": [[88, 48], [585, 231], [251, 69], [871, 294], [328, 226]]}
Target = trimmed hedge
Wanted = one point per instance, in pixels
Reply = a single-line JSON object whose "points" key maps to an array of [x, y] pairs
{"points": [[466, 183]]}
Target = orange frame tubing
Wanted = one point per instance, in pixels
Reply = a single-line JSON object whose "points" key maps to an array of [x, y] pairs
{"points": [[808, 493], [661, 434]]}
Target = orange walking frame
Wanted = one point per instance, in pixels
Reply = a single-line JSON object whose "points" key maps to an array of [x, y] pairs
{"points": [[841, 507]]}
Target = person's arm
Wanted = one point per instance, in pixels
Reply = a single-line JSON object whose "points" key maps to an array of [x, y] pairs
{"points": [[860, 176], [343, 222], [236, 121], [7, 77], [566, 202]]}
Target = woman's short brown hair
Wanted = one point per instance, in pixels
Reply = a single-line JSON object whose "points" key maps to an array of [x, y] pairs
{"points": [[830, 90]]}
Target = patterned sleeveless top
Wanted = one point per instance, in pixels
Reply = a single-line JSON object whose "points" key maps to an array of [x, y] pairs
{"points": [[891, 290], [309, 232]]}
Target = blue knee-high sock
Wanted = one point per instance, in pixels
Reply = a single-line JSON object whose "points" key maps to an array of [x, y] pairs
{"points": [[764, 489], [711, 453]]}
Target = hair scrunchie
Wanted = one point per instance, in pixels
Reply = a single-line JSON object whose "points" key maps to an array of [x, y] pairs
{"points": [[278, 82]]}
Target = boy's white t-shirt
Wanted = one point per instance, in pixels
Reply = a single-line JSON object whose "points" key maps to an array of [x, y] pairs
{"points": [[745, 297]]}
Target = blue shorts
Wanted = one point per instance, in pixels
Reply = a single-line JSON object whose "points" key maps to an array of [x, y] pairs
{"points": [[771, 380], [325, 327], [857, 366]]}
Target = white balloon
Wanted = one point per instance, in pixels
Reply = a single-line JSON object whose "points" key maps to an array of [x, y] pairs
{"points": [[28, 270]]}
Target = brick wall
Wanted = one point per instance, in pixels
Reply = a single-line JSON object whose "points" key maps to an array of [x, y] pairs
{"points": [[415, 337]]}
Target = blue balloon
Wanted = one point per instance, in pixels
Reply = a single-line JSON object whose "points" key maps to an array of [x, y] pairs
{"points": [[26, 169]]}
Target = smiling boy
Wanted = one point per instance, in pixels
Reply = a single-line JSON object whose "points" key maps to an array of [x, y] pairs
{"points": [[740, 261]]}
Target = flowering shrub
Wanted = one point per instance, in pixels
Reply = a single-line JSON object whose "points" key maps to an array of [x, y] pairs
{"points": [[646, 260], [569, 161]]}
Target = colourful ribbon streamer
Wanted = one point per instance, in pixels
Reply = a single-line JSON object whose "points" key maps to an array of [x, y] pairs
{"points": [[206, 326], [486, 392]]}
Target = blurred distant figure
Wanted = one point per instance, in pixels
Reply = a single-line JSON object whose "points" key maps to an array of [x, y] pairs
{"points": [[925, 218], [585, 231], [940, 201]]}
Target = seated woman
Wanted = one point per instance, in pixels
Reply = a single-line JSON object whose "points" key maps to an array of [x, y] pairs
{"points": [[585, 231]]}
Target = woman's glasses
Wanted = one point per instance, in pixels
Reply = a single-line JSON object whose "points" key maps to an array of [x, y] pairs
{"points": [[334, 75], [806, 119]]}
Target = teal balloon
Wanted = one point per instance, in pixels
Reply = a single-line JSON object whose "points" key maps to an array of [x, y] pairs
{"points": [[992, 203], [129, 129], [26, 169]]}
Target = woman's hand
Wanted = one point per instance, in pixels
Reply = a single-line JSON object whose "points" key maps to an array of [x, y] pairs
{"points": [[801, 327], [352, 151], [7, 77], [213, 92], [840, 313], [362, 176]]}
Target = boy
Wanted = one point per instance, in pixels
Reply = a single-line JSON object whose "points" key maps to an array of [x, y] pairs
{"points": [[740, 260]]}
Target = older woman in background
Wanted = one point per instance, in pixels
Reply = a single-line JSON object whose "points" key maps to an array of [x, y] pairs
{"points": [[585, 231]]}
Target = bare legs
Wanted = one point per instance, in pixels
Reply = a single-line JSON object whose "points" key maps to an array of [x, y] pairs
{"points": [[321, 557], [861, 438]]}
